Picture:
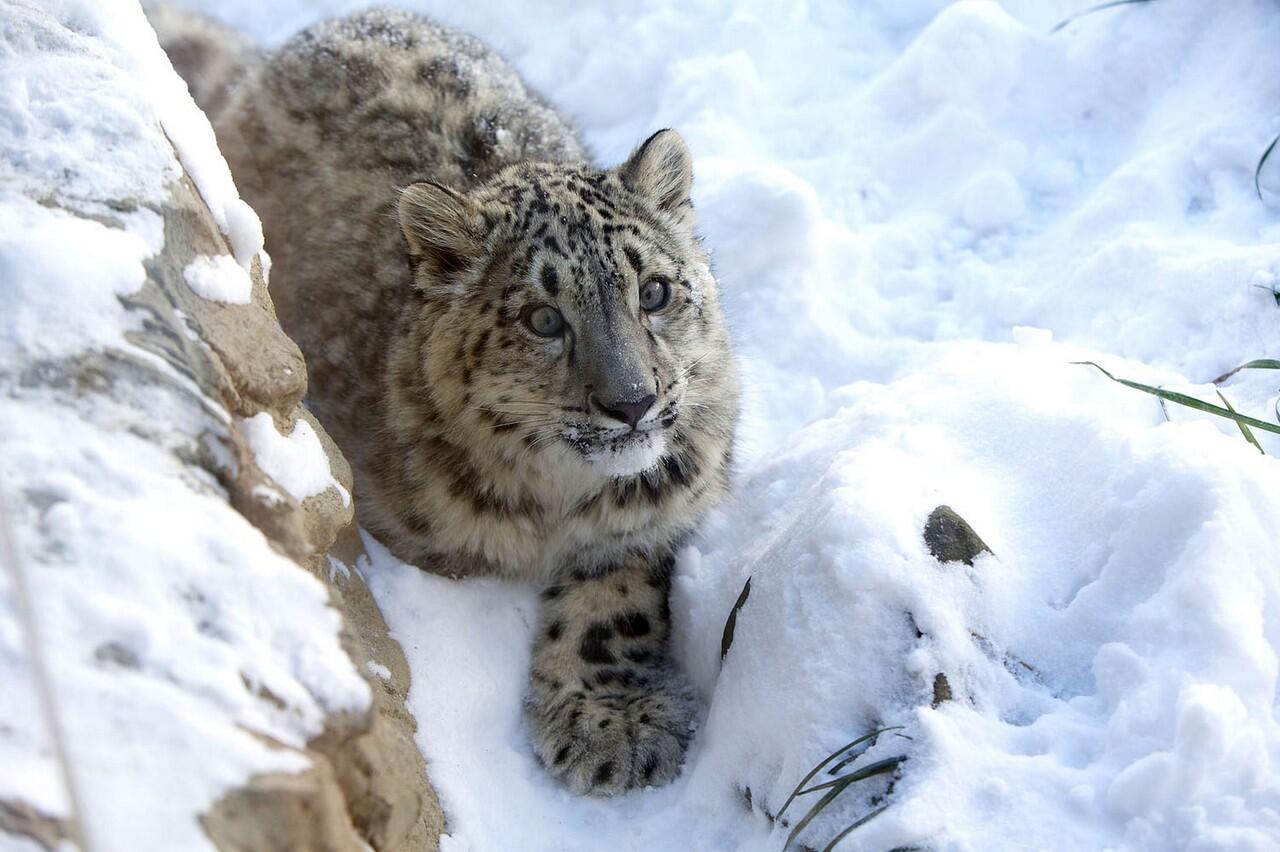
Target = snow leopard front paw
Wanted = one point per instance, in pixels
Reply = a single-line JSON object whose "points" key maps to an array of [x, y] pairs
{"points": [[622, 730]]}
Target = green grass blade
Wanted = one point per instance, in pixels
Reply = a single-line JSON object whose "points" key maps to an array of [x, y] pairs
{"points": [[835, 788], [859, 822], [880, 767], [1259, 364], [815, 770], [813, 812], [1262, 161], [1189, 401], [1244, 430], [850, 758], [1093, 9]]}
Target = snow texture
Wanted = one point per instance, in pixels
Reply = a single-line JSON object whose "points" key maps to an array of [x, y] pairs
{"points": [[921, 213], [296, 461], [219, 278], [915, 242], [184, 655]]}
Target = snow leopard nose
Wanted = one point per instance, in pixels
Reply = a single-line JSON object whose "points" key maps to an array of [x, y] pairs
{"points": [[627, 411]]}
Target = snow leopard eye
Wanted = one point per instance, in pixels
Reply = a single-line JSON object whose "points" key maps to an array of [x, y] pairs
{"points": [[544, 321], [654, 294]]}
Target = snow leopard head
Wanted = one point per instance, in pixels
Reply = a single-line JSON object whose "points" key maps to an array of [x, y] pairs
{"points": [[572, 311]]}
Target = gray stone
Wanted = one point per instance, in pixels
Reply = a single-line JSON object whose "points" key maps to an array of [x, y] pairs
{"points": [[950, 538]]}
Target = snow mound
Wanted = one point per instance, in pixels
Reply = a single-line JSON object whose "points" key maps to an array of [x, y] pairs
{"points": [[219, 278], [1113, 664], [296, 461]]}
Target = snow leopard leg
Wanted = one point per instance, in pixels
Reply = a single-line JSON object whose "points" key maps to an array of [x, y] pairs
{"points": [[607, 710]]}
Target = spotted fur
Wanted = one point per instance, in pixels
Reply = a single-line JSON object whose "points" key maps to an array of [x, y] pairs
{"points": [[419, 202]]}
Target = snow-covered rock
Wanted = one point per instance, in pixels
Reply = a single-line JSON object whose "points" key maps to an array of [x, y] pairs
{"points": [[176, 673]]}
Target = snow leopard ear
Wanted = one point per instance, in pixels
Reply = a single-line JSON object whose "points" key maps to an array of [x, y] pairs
{"points": [[661, 170], [441, 227]]}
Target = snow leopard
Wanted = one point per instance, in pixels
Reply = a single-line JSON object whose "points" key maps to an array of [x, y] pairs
{"points": [[522, 353]]}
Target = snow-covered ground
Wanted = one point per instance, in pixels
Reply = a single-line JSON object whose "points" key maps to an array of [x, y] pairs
{"points": [[921, 213]]}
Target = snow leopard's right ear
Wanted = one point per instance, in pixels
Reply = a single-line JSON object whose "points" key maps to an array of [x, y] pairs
{"points": [[661, 170], [441, 227]]}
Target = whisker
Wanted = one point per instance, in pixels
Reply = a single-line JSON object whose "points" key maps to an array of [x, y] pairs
{"points": [[539, 440], [509, 424], [521, 404], [692, 364], [520, 413], [541, 402]]}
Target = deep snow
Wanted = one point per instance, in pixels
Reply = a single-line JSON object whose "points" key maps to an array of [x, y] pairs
{"points": [[920, 214]]}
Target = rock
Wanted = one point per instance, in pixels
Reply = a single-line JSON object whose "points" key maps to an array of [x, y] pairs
{"points": [[950, 538], [382, 773], [368, 783], [941, 690], [21, 819], [191, 371], [302, 812]]}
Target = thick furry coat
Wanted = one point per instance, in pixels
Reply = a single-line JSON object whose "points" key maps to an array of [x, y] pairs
{"points": [[522, 354]]}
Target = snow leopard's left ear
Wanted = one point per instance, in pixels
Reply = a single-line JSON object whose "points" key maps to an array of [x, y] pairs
{"points": [[661, 170]]}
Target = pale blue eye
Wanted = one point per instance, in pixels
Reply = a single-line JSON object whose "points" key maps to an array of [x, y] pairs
{"points": [[544, 321], [654, 294]]}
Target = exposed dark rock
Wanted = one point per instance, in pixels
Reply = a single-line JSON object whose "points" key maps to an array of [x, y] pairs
{"points": [[950, 538]]}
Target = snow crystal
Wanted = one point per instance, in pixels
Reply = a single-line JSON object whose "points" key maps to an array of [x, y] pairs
{"points": [[219, 278]]}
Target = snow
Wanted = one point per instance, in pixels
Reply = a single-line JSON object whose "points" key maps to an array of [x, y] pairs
{"points": [[55, 132], [219, 278], [297, 461], [42, 277], [184, 654], [921, 214], [206, 672], [991, 200], [914, 245], [1132, 580]]}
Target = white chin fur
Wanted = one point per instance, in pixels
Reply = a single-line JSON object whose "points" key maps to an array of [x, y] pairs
{"points": [[636, 455]]}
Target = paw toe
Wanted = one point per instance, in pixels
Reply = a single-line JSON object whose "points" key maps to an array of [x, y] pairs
{"points": [[606, 745]]}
